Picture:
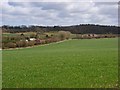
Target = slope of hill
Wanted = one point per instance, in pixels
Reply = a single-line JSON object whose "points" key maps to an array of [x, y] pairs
{"points": [[76, 29]]}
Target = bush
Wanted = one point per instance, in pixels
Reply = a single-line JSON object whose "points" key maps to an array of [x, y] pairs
{"points": [[0, 44], [31, 43], [47, 36], [10, 45], [3, 46], [86, 37], [55, 39], [77, 37], [48, 40], [21, 44], [64, 35], [33, 35], [42, 41], [68, 35], [6, 39], [97, 37], [38, 41]]}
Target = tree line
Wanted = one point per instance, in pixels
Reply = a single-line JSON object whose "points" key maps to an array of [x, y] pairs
{"points": [[75, 29]]}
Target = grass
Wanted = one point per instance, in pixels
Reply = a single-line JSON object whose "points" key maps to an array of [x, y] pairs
{"points": [[28, 34], [70, 64], [18, 34]]}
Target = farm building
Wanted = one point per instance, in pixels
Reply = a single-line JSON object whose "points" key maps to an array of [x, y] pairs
{"points": [[32, 39]]}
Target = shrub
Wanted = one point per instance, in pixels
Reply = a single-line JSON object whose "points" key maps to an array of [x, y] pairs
{"points": [[52, 35], [33, 35], [31, 43], [6, 39], [78, 36], [97, 37], [55, 39], [47, 41], [37, 42], [0, 44], [68, 35], [3, 46], [22, 34], [64, 35], [10, 45], [47, 36], [42, 41], [25, 43], [86, 37], [21, 44]]}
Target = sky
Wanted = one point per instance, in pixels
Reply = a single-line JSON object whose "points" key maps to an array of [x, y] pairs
{"points": [[58, 12]]}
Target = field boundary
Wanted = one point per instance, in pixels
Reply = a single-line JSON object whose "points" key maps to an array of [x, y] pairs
{"points": [[37, 45]]}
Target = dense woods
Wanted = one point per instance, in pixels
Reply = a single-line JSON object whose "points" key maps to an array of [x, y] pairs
{"points": [[75, 29]]}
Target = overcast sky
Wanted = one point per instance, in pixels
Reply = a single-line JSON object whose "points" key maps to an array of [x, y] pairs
{"points": [[59, 13]]}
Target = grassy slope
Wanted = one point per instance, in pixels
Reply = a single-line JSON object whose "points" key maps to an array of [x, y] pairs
{"points": [[74, 63]]}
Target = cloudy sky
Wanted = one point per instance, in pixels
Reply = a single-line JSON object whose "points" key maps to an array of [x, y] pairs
{"points": [[32, 12]]}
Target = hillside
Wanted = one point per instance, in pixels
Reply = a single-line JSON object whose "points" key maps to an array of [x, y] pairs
{"points": [[76, 29]]}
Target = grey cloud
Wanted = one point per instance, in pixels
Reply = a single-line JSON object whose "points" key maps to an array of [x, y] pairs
{"points": [[106, 3], [49, 5], [109, 10], [61, 13]]}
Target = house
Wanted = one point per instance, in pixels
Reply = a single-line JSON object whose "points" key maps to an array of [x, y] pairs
{"points": [[32, 39]]}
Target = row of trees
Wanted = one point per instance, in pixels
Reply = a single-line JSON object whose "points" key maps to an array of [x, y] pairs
{"points": [[75, 29]]}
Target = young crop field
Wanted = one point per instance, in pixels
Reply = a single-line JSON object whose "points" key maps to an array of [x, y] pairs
{"points": [[87, 63]]}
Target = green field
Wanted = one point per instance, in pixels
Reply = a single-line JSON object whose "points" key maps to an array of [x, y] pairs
{"points": [[69, 64]]}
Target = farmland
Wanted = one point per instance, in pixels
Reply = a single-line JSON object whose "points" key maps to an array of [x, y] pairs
{"points": [[69, 64]]}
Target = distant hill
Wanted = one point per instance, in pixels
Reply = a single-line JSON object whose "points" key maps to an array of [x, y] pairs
{"points": [[76, 29]]}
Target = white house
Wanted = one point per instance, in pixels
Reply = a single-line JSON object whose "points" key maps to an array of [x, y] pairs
{"points": [[32, 39]]}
